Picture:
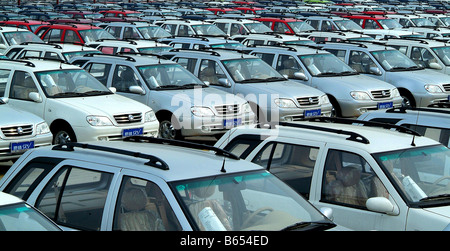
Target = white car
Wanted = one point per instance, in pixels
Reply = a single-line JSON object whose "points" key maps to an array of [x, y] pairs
{"points": [[11, 35], [17, 215], [372, 178], [75, 105], [20, 131]]}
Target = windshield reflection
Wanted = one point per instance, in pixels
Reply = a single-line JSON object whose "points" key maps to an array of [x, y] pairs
{"points": [[394, 60], [172, 76], [251, 70]]}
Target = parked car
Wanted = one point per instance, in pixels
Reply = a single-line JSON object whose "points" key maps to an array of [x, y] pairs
{"points": [[431, 122], [30, 25], [17, 215], [72, 33], [419, 87], [271, 96], [113, 46], [290, 26], [61, 51], [372, 178], [138, 30], [272, 39], [190, 28], [184, 105], [240, 27], [12, 35], [202, 42], [75, 105], [19, 130], [138, 185], [331, 23], [350, 93]]}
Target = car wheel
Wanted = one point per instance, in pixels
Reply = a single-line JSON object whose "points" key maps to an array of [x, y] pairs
{"points": [[407, 100], [64, 135], [167, 130]]}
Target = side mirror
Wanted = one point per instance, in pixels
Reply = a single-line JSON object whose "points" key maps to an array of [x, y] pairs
{"points": [[300, 76], [328, 212], [5, 100], [225, 82], [375, 70], [113, 89], [137, 89], [435, 66], [206, 83], [36, 97], [380, 205]]}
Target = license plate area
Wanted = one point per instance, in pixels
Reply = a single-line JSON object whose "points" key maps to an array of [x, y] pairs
{"points": [[132, 132], [18, 147], [312, 113], [229, 123], [385, 105]]}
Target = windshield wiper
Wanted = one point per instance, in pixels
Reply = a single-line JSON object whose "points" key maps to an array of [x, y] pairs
{"points": [[93, 93], [348, 73], [310, 225], [327, 74], [274, 79], [402, 68], [169, 87], [436, 197], [252, 80], [188, 86], [69, 94]]}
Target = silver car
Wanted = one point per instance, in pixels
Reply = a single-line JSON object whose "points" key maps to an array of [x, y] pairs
{"points": [[184, 105], [20, 131], [271, 95], [351, 93]]}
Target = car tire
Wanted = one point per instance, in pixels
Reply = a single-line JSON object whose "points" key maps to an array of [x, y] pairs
{"points": [[168, 130], [407, 99], [63, 135]]}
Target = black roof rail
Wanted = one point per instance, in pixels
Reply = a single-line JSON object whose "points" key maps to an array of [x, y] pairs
{"points": [[366, 123], [44, 58], [110, 55], [343, 42], [153, 160], [181, 143], [214, 53], [27, 63]]}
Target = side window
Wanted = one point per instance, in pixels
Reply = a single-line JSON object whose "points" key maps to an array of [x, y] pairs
{"points": [[361, 62], [71, 37], [338, 53], [266, 57], [439, 134], [142, 206], [26, 53], [243, 145], [99, 71], [402, 49], [313, 23], [4, 76], [223, 26], [371, 24], [348, 179], [180, 45], [107, 49], [210, 71], [53, 35], [421, 56], [250, 42], [114, 30], [294, 164], [280, 27], [327, 26], [171, 28], [29, 177], [188, 63], [22, 85], [76, 197], [287, 65], [184, 30], [13, 52], [124, 77], [237, 29], [52, 55], [130, 33], [358, 21]]}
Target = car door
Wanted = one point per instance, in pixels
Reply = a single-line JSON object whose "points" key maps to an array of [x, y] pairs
{"points": [[347, 178], [123, 78]]}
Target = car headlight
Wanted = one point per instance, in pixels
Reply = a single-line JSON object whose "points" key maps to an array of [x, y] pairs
{"points": [[246, 108], [285, 103], [150, 116], [98, 120], [395, 93], [324, 99], [360, 95], [202, 111], [42, 128], [433, 88]]}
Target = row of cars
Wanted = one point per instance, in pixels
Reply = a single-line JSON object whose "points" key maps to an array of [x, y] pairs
{"points": [[381, 179]]}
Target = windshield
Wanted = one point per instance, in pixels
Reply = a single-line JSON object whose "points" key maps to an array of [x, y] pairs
{"points": [[70, 83], [228, 45], [93, 35], [422, 174], [153, 32], [422, 22], [394, 60], [244, 202], [326, 65], [390, 23], [72, 54], [18, 37], [300, 26], [251, 70], [155, 50], [169, 76], [22, 217], [208, 29], [300, 42], [347, 25], [445, 20], [93, 15], [257, 28], [443, 53]]}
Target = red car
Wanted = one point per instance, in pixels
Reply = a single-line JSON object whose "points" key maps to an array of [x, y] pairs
{"points": [[72, 33], [30, 25], [374, 22], [285, 25], [120, 13], [221, 11], [251, 10]]}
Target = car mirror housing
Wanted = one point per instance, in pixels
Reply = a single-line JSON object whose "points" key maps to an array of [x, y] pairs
{"points": [[36, 97]]}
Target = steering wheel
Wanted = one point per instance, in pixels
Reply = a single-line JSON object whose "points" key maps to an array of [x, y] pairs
{"points": [[437, 182], [252, 215]]}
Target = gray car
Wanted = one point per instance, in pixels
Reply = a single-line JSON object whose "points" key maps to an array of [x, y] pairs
{"points": [[271, 95], [184, 105], [351, 93], [419, 87]]}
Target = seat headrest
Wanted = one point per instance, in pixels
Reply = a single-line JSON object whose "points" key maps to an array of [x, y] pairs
{"points": [[349, 175], [134, 199]]}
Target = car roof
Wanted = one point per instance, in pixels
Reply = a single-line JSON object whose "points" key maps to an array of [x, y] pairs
{"points": [[366, 46], [63, 47], [132, 59], [189, 163], [36, 64], [7, 199], [216, 53], [72, 26], [293, 49]]}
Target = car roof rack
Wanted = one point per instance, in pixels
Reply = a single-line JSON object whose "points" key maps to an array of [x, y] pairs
{"points": [[128, 58], [27, 63], [213, 53], [153, 160], [181, 143]]}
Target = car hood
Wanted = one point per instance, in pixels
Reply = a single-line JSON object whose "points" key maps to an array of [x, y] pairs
{"points": [[13, 116], [202, 96], [442, 211], [426, 76], [352, 83], [282, 88], [104, 104]]}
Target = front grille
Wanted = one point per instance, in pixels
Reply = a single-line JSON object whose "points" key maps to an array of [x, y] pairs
{"points": [[381, 94], [17, 131], [128, 118], [225, 110], [447, 87], [307, 101]]}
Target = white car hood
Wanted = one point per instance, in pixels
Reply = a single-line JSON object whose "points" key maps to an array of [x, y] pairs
{"points": [[13, 116], [442, 211]]}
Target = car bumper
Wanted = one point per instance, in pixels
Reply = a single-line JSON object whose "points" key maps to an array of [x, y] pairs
{"points": [[110, 133], [5, 145], [198, 126], [295, 114], [429, 99], [355, 108]]}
